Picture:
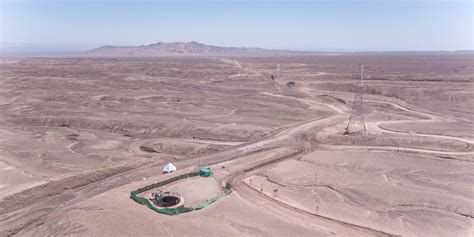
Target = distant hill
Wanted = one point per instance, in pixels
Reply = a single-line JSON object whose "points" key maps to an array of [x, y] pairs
{"points": [[180, 48]]}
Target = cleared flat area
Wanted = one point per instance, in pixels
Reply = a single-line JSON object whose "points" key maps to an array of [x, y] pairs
{"points": [[78, 134], [195, 191]]}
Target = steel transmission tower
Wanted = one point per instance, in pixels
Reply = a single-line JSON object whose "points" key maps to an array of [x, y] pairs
{"points": [[275, 74], [356, 124]]}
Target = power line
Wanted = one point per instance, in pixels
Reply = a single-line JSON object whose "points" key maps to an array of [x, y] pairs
{"points": [[356, 124]]}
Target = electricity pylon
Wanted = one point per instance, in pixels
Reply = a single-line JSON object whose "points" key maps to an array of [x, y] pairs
{"points": [[275, 74], [356, 124]]}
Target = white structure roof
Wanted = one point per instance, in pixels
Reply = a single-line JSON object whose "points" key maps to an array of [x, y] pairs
{"points": [[169, 168]]}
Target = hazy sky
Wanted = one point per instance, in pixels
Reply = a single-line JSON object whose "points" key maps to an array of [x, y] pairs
{"points": [[303, 25]]}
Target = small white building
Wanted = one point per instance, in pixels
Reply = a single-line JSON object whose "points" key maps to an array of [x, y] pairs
{"points": [[169, 168]]}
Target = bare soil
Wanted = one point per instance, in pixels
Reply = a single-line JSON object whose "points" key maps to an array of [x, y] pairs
{"points": [[78, 134]]}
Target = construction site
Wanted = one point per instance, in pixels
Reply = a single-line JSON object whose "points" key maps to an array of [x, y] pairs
{"points": [[186, 195], [297, 145]]}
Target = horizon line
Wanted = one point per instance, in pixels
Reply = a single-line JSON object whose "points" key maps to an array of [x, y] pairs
{"points": [[75, 48]]}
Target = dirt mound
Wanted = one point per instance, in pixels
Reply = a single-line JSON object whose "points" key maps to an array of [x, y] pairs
{"points": [[139, 128], [395, 141]]}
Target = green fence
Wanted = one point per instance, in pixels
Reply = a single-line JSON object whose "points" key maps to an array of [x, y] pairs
{"points": [[178, 210]]}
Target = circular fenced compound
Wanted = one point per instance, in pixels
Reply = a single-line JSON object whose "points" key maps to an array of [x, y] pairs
{"points": [[172, 203]]}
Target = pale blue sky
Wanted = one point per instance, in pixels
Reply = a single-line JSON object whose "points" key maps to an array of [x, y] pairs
{"points": [[302, 25]]}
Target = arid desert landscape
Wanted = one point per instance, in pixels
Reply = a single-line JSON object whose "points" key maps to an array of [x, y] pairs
{"points": [[78, 134]]}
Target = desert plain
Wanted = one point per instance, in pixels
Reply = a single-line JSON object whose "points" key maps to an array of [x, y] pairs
{"points": [[78, 134]]}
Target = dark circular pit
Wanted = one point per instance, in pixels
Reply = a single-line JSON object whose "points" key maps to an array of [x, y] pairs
{"points": [[167, 199]]}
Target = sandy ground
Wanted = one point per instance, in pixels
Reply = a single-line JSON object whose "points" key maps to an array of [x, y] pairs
{"points": [[78, 134], [230, 217], [195, 191], [436, 192]]}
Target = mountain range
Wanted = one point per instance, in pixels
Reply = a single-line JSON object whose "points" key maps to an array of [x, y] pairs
{"points": [[180, 48]]}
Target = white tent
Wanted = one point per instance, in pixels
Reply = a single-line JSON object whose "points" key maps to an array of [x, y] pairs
{"points": [[169, 168]]}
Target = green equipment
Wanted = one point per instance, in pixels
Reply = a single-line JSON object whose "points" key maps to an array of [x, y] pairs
{"points": [[206, 172]]}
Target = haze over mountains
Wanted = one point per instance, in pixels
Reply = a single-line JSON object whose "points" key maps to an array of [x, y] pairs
{"points": [[167, 49], [180, 48]]}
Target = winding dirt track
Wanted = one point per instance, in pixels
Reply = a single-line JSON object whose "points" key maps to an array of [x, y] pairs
{"points": [[338, 226], [376, 126], [135, 146], [27, 216], [342, 227], [15, 221]]}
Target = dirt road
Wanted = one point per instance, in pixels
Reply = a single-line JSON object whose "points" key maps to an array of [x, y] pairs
{"points": [[286, 140]]}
